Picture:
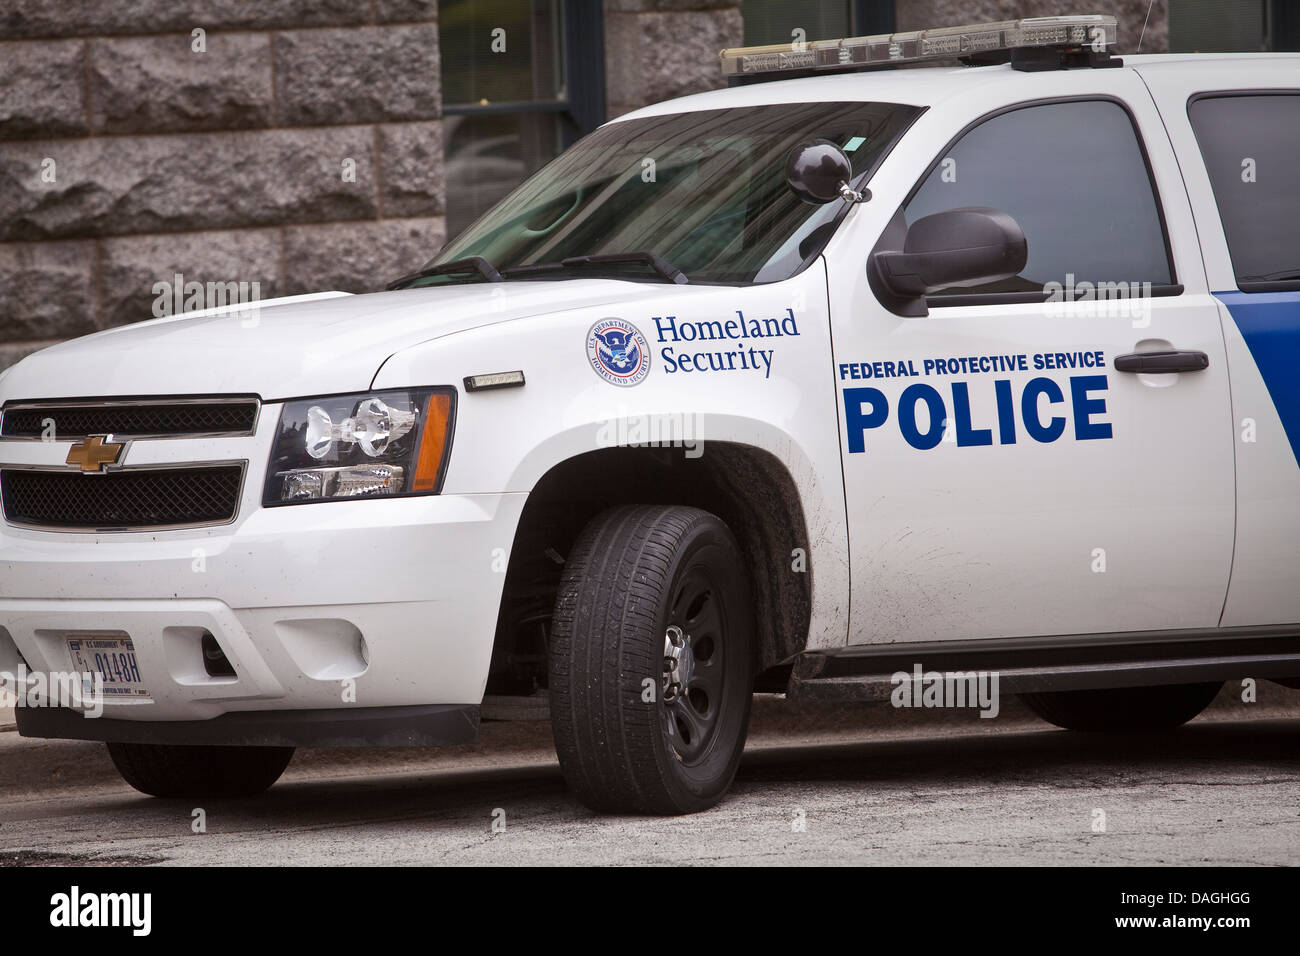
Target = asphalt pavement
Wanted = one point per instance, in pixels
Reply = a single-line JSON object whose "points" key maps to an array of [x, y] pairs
{"points": [[863, 784]]}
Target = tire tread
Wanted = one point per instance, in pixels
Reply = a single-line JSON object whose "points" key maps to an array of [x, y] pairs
{"points": [[614, 580], [172, 770]]}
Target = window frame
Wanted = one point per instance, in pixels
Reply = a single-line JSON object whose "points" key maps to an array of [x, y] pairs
{"points": [[582, 64], [1172, 288], [1262, 285]]}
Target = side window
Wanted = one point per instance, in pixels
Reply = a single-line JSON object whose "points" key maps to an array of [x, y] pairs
{"points": [[1074, 177], [1251, 148]]}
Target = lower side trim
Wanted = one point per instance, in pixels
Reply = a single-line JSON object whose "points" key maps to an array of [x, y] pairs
{"points": [[428, 725], [1071, 662]]}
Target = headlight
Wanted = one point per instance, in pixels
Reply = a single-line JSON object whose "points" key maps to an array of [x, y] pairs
{"points": [[374, 445]]}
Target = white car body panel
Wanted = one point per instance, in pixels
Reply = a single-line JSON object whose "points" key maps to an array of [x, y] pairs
{"points": [[981, 542], [510, 438], [282, 350], [1267, 545]]}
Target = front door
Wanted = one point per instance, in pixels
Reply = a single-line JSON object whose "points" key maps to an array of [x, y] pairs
{"points": [[1003, 477]]}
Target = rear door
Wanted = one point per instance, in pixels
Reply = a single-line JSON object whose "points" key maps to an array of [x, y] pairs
{"points": [[1003, 477], [1236, 125]]}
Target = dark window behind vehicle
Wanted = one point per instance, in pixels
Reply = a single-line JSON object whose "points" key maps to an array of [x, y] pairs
{"points": [[1073, 175], [1251, 148], [705, 190], [521, 80], [775, 21]]}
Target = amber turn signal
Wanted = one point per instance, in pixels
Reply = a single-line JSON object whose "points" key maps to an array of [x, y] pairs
{"points": [[433, 442]]}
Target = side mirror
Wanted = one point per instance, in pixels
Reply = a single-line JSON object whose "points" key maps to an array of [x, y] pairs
{"points": [[958, 247], [818, 172]]}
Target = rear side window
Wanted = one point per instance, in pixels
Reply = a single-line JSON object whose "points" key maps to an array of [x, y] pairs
{"points": [[1251, 148], [1074, 176]]}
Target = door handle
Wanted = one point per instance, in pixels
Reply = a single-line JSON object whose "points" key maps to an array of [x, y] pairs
{"points": [[1162, 363]]}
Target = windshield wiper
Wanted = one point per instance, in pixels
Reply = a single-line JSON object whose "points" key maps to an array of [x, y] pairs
{"points": [[468, 264], [658, 263]]}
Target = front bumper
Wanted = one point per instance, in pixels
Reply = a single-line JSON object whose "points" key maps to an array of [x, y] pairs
{"points": [[337, 606], [426, 726]]}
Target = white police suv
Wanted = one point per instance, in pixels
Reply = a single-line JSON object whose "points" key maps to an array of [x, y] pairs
{"points": [[825, 378]]}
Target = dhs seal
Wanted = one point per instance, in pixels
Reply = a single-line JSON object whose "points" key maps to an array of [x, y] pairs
{"points": [[618, 352]]}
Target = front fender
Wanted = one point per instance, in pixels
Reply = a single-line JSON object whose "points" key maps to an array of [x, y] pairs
{"points": [[778, 398]]}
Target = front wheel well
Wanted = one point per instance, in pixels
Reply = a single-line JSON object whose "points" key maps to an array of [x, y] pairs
{"points": [[748, 488]]}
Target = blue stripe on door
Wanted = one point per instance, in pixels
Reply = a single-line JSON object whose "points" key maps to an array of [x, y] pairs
{"points": [[1270, 324]]}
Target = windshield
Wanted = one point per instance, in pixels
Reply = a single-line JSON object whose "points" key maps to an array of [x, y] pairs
{"points": [[705, 191]]}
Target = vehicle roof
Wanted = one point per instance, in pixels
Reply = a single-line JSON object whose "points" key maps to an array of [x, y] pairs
{"points": [[927, 86]]}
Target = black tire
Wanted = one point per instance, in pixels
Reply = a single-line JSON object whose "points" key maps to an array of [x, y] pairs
{"points": [[1122, 710], [166, 770], [634, 572]]}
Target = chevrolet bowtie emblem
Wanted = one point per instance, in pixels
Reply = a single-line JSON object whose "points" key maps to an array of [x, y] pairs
{"points": [[95, 454]]}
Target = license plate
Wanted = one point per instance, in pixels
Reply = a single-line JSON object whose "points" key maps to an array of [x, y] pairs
{"points": [[113, 658]]}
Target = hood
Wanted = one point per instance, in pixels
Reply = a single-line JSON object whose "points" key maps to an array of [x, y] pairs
{"points": [[300, 345]]}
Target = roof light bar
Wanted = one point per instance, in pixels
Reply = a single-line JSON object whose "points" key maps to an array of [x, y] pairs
{"points": [[1090, 32]]}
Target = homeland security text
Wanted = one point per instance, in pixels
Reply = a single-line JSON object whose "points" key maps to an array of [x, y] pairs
{"points": [[738, 331]]}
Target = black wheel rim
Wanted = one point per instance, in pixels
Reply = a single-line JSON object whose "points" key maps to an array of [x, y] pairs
{"points": [[694, 667]]}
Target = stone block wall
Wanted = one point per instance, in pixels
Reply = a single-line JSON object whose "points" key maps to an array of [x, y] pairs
{"points": [[658, 49], [298, 146], [1131, 14]]}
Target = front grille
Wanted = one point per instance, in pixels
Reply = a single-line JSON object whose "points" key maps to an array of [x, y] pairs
{"points": [[122, 500], [162, 419]]}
